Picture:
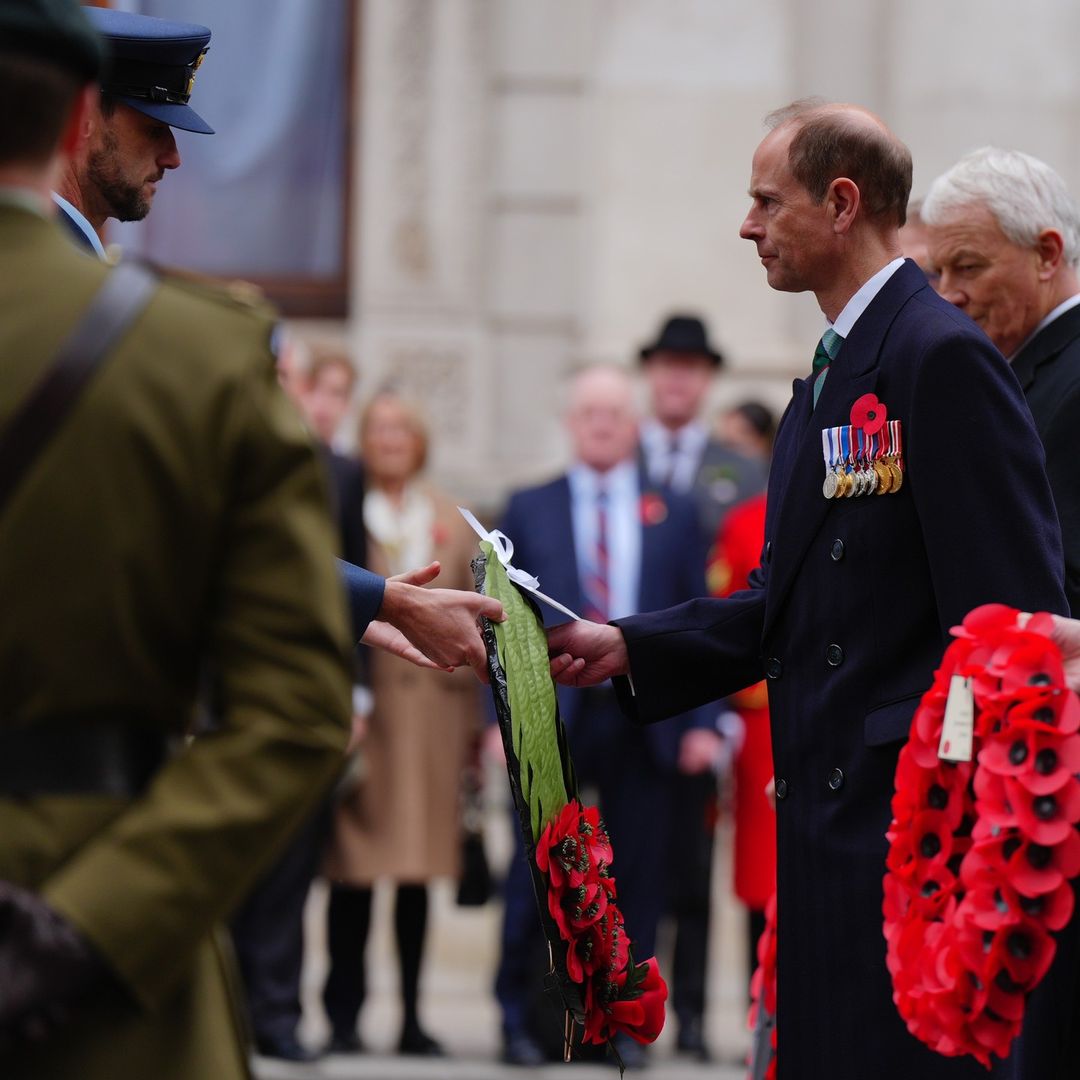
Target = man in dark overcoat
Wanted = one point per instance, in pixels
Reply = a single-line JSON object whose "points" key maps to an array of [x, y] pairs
{"points": [[849, 612], [1004, 239]]}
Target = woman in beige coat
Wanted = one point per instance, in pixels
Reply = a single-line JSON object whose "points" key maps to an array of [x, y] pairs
{"points": [[402, 821]]}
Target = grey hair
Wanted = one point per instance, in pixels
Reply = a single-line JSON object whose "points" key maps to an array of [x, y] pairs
{"points": [[1023, 193]]}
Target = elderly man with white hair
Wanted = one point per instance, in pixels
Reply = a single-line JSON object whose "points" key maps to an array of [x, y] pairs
{"points": [[1004, 233]]}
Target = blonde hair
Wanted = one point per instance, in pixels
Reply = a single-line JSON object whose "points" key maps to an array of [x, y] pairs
{"points": [[414, 418]]}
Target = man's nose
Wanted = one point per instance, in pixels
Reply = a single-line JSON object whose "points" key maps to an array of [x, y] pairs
{"points": [[169, 158], [750, 229], [948, 289]]}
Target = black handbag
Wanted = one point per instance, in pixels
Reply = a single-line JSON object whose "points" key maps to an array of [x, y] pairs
{"points": [[475, 887]]}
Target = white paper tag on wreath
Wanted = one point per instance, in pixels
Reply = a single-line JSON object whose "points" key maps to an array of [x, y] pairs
{"points": [[958, 727]]}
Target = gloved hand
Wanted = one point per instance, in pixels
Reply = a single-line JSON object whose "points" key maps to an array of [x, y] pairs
{"points": [[45, 966]]}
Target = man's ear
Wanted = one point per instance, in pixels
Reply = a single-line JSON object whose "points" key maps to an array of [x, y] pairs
{"points": [[843, 200], [85, 113], [1049, 251]]}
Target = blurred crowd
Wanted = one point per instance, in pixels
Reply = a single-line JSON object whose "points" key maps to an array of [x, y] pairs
{"points": [[662, 499]]}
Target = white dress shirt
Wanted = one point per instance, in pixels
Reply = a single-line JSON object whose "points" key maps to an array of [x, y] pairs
{"points": [[673, 457], [623, 530]]}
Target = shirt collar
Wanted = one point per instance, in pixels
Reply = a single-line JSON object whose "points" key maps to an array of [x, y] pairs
{"points": [[691, 436], [1065, 305], [82, 224], [847, 318], [585, 482]]}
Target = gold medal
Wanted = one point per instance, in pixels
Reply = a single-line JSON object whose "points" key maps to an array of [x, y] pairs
{"points": [[884, 484], [897, 476]]}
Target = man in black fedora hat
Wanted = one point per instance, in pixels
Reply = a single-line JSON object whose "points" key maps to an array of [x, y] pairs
{"points": [[678, 451], [676, 446]]}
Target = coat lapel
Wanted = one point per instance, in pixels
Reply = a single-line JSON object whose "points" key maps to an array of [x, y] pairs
{"points": [[1046, 345], [801, 507], [651, 555]]}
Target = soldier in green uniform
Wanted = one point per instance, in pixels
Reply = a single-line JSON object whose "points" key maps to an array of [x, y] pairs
{"points": [[176, 516]]}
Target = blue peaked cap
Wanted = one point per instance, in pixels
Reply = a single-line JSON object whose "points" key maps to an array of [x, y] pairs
{"points": [[152, 64]]}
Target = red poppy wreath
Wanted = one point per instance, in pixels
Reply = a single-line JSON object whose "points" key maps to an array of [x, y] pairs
{"points": [[982, 850], [603, 989]]}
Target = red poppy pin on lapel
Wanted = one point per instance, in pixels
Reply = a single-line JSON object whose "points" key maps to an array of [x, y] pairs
{"points": [[869, 414], [653, 509]]}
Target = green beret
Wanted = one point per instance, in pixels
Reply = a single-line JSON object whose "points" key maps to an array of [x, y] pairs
{"points": [[54, 30]]}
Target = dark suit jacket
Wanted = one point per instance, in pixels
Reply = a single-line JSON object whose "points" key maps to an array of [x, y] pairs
{"points": [[1048, 368], [723, 479], [848, 617], [347, 503], [538, 521]]}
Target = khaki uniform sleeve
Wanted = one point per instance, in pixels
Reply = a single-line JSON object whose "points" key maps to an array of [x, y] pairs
{"points": [[154, 882]]}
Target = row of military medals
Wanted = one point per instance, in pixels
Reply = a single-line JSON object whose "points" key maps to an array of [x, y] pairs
{"points": [[860, 464]]}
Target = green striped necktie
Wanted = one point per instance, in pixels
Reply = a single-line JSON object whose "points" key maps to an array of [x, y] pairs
{"points": [[824, 355]]}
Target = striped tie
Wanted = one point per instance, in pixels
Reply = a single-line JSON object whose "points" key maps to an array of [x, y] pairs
{"points": [[824, 355], [597, 582]]}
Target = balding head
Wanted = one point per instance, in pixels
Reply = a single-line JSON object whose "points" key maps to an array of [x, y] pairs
{"points": [[602, 417], [830, 140]]}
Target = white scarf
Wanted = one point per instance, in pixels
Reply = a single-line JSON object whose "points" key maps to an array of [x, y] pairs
{"points": [[405, 533]]}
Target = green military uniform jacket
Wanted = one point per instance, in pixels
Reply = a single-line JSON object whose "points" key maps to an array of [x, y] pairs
{"points": [[178, 515]]}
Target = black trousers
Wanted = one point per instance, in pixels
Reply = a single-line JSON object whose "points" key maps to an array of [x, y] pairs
{"points": [[268, 932], [691, 851]]}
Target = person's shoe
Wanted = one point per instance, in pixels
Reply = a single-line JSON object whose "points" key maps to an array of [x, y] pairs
{"points": [[344, 1043], [416, 1042], [634, 1055], [284, 1048], [691, 1041], [520, 1048]]}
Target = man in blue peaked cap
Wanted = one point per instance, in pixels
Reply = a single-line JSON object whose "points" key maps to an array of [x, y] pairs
{"points": [[145, 93]]}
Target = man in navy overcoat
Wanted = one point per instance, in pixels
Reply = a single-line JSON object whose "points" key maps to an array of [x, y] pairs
{"points": [[850, 610]]}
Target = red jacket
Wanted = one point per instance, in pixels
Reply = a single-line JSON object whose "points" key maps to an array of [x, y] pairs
{"points": [[735, 553]]}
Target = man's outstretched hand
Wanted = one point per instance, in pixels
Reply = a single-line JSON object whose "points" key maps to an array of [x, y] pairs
{"points": [[440, 624], [586, 653]]}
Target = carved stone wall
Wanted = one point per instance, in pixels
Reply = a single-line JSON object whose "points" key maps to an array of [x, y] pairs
{"points": [[540, 181]]}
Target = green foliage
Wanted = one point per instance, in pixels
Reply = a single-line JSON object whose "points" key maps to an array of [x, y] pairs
{"points": [[534, 723]]}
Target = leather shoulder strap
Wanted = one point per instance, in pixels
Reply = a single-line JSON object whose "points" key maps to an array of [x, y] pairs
{"points": [[117, 303]]}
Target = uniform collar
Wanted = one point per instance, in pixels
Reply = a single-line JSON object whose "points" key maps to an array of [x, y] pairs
{"points": [[82, 225]]}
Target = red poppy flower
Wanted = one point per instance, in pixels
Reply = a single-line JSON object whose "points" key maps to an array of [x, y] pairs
{"points": [[869, 414], [603, 946], [574, 847], [653, 510], [1047, 818], [632, 1001], [985, 620]]}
